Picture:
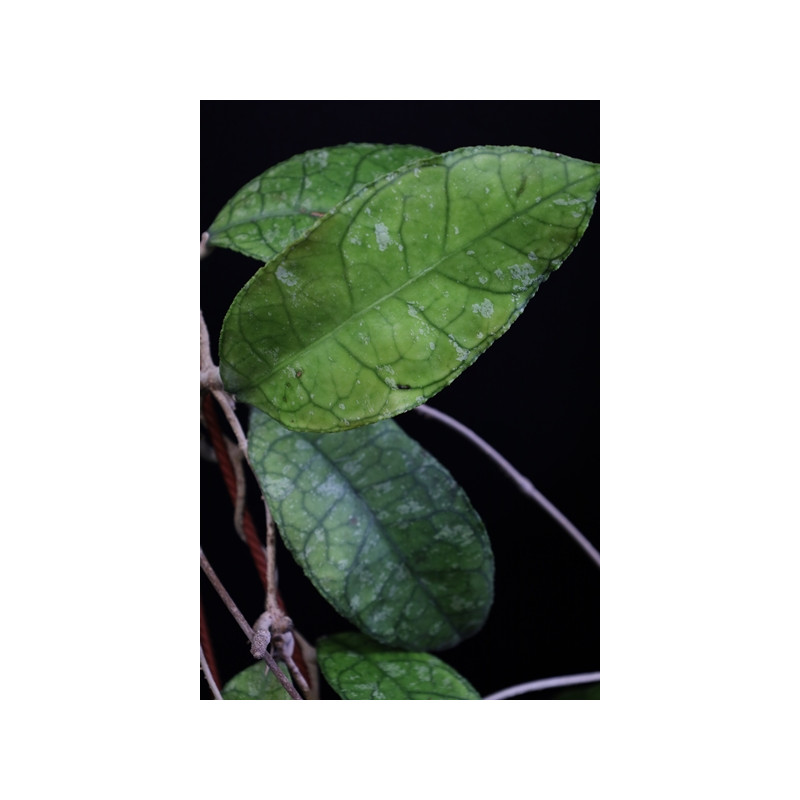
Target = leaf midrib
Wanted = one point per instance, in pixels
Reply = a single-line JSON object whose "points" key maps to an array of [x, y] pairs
{"points": [[298, 354], [402, 558]]}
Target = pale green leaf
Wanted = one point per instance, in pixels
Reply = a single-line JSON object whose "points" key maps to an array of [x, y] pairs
{"points": [[277, 207], [389, 298], [358, 668], [381, 529], [253, 684]]}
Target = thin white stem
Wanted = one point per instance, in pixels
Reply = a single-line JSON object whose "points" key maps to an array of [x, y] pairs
{"points": [[225, 596], [522, 482], [235, 455], [205, 247], [272, 605], [244, 624], [210, 381], [545, 683], [209, 677]]}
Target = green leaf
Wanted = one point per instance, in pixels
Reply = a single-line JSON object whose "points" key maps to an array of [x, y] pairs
{"points": [[276, 208], [389, 298], [357, 668], [381, 529], [253, 684], [589, 691]]}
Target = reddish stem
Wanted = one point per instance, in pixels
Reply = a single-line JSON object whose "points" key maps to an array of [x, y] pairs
{"points": [[251, 535], [205, 643]]}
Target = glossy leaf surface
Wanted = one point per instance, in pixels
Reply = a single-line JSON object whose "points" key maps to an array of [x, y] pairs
{"points": [[253, 684], [381, 529], [389, 298], [277, 207], [358, 668]]}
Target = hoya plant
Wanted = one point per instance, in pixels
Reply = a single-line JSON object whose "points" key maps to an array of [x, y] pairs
{"points": [[380, 274]]}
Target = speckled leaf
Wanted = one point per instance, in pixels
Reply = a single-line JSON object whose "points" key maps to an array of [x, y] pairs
{"points": [[253, 684], [358, 668], [382, 530], [390, 297], [277, 207]]}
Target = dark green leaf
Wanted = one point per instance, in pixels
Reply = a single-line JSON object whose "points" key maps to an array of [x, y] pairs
{"points": [[358, 668], [388, 299], [589, 691], [380, 528], [253, 684], [275, 209]]}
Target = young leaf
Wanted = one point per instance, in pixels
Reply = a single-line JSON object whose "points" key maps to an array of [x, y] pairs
{"points": [[357, 668], [389, 298], [253, 684], [275, 209], [381, 529]]}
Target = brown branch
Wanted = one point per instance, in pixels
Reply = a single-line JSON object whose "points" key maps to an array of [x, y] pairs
{"points": [[244, 624], [212, 682], [264, 561], [225, 597], [205, 644], [228, 471]]}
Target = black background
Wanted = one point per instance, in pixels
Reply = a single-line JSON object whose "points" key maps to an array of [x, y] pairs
{"points": [[534, 395]]}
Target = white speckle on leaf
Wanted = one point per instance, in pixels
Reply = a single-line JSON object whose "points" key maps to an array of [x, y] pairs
{"points": [[470, 252], [409, 506], [319, 157], [486, 190], [332, 486], [382, 236], [485, 309], [341, 405], [455, 229], [524, 273], [432, 345], [393, 670], [416, 172], [499, 273], [560, 201], [532, 256], [461, 353], [355, 240], [277, 488], [284, 276], [482, 279]]}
